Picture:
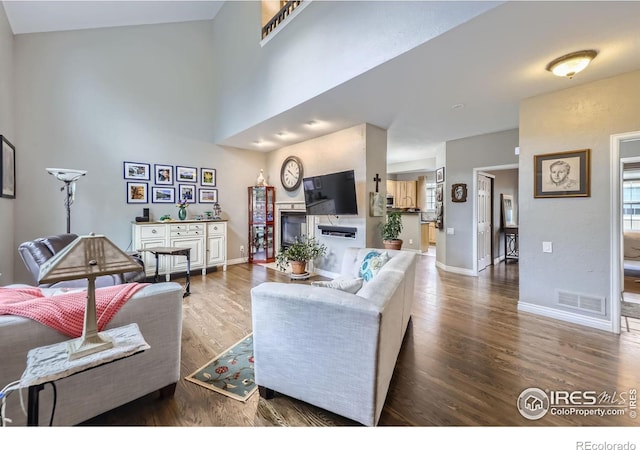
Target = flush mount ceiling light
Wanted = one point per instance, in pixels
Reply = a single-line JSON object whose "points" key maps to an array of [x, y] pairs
{"points": [[571, 64]]}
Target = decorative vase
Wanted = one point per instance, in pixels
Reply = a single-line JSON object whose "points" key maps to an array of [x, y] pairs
{"points": [[182, 213], [298, 267], [261, 181]]}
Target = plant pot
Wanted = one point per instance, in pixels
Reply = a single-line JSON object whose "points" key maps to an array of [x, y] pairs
{"points": [[395, 244], [298, 267]]}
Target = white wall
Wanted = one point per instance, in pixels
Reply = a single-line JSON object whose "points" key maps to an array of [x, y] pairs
{"points": [[328, 43], [8, 251], [361, 148], [579, 228], [92, 99]]}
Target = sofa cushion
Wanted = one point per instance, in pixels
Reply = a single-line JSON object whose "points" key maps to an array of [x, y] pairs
{"points": [[372, 263], [351, 285]]}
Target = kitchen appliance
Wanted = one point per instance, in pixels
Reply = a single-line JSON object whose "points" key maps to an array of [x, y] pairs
{"points": [[389, 201]]}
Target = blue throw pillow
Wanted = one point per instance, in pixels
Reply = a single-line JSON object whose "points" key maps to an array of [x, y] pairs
{"points": [[372, 264]]}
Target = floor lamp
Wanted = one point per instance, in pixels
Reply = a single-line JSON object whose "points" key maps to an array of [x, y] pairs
{"points": [[69, 177]]}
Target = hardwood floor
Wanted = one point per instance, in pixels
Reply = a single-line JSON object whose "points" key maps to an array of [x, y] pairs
{"points": [[467, 356]]}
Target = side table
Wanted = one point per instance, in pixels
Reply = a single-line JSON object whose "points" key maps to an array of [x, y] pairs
{"points": [[172, 251], [51, 363], [511, 250]]}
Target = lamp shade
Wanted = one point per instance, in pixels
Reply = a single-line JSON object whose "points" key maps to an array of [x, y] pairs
{"points": [[86, 257]]}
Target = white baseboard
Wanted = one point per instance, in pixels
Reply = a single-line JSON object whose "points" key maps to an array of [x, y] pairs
{"points": [[453, 269], [237, 261], [498, 260], [566, 316]]}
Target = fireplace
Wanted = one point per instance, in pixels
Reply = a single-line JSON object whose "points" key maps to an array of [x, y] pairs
{"points": [[293, 224]]}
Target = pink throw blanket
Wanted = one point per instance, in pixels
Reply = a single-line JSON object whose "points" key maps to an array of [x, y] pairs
{"points": [[65, 312]]}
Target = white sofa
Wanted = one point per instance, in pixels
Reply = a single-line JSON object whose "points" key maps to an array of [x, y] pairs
{"points": [[157, 309], [330, 348]]}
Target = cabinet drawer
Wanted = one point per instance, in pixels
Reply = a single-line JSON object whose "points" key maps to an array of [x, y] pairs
{"points": [[175, 233], [147, 232], [196, 227], [183, 227], [217, 228]]}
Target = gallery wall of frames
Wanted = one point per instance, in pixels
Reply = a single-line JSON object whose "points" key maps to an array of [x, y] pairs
{"points": [[163, 183]]}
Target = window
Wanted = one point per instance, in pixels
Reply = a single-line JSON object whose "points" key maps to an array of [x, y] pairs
{"points": [[631, 205], [430, 196]]}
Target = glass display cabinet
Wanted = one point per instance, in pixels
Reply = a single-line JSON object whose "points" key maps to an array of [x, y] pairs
{"points": [[262, 201]]}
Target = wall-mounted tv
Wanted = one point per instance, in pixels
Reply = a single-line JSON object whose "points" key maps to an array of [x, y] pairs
{"points": [[333, 194]]}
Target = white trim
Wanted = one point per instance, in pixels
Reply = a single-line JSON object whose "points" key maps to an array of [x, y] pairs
{"points": [[498, 260], [617, 269], [237, 261], [566, 316], [286, 20], [453, 269]]}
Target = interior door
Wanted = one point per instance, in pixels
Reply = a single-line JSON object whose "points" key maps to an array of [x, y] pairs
{"points": [[484, 222]]}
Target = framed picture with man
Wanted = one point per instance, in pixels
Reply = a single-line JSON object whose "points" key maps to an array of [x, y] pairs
{"points": [[163, 173], [562, 174]]}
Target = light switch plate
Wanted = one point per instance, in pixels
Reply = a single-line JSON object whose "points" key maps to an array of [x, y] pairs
{"points": [[450, 231], [547, 247]]}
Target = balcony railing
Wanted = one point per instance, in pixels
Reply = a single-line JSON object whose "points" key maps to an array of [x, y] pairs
{"points": [[279, 17]]}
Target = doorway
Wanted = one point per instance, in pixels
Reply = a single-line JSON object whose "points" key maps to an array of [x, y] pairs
{"points": [[630, 221]]}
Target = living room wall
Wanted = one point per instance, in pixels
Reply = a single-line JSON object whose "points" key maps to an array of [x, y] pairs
{"points": [[582, 117], [462, 156], [7, 206], [92, 99]]}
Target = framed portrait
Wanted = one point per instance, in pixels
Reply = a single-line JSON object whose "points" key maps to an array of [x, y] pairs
{"points": [[563, 174], [187, 174], [459, 192], [440, 175], [137, 192], [207, 177], [439, 190], [187, 192], [8, 168], [208, 195], [160, 194], [137, 171], [163, 174]]}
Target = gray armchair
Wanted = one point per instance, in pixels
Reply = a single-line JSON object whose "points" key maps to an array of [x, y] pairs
{"points": [[35, 253]]}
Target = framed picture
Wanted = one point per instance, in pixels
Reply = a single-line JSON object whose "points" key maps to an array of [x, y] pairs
{"points": [[137, 192], [163, 174], [440, 175], [208, 195], [459, 192], [188, 174], [137, 171], [563, 174], [207, 177], [439, 193], [163, 194], [8, 168], [187, 192]]}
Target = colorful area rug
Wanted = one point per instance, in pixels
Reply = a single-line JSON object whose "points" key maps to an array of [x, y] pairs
{"points": [[230, 373]]}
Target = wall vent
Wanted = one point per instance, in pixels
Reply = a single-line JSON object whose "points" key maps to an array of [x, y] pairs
{"points": [[582, 302]]}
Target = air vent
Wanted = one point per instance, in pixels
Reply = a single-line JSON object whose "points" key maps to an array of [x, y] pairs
{"points": [[582, 302]]}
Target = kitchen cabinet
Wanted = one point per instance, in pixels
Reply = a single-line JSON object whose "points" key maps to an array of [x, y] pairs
{"points": [[406, 194]]}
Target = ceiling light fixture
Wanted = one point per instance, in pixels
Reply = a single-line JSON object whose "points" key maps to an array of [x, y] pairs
{"points": [[571, 64]]}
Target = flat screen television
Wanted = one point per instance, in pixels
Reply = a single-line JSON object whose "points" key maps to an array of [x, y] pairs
{"points": [[332, 194]]}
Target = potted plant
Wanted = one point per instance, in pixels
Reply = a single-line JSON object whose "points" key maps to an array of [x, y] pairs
{"points": [[299, 253], [390, 230]]}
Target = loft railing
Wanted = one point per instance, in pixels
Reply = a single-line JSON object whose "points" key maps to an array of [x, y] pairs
{"points": [[280, 16]]}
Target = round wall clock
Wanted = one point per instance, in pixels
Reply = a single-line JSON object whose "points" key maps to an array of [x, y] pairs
{"points": [[291, 173]]}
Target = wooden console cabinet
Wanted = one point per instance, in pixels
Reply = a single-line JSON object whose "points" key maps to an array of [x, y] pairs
{"points": [[206, 239]]}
